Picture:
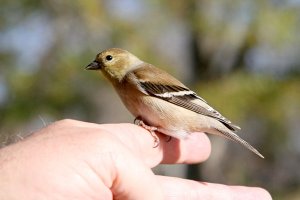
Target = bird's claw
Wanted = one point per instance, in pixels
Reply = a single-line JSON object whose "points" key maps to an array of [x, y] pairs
{"points": [[137, 120], [151, 130]]}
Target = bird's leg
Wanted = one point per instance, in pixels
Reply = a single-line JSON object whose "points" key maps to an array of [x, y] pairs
{"points": [[137, 120], [151, 129]]}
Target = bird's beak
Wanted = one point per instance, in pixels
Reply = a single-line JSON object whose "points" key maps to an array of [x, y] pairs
{"points": [[93, 66]]}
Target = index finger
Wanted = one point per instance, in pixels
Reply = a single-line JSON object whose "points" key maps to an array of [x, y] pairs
{"points": [[196, 148]]}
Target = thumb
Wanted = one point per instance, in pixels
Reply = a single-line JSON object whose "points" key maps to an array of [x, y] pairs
{"points": [[133, 179]]}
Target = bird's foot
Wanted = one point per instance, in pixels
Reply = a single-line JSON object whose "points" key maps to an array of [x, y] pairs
{"points": [[137, 120], [151, 130]]}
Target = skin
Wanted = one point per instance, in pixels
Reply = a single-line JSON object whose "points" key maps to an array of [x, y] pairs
{"points": [[77, 160]]}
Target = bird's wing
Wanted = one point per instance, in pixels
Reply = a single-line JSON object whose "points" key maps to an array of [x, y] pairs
{"points": [[157, 83]]}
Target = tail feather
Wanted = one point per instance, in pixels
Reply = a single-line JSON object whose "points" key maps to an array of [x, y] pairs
{"points": [[232, 136]]}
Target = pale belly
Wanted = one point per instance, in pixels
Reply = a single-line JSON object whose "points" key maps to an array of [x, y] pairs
{"points": [[168, 118]]}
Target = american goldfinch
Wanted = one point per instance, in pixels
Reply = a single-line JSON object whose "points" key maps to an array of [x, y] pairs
{"points": [[160, 101]]}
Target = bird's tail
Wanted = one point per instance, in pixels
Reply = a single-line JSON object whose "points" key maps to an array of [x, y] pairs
{"points": [[232, 136]]}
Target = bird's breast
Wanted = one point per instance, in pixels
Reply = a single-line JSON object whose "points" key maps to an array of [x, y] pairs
{"points": [[170, 118]]}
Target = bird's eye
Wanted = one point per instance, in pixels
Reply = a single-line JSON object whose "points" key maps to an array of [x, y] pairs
{"points": [[109, 57]]}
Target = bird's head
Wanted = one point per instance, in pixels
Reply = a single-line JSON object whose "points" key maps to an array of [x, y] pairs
{"points": [[115, 63]]}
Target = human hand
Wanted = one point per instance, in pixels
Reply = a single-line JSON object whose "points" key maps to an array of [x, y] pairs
{"points": [[77, 160]]}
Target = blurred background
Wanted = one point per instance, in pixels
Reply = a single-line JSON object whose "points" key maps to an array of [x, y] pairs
{"points": [[243, 57]]}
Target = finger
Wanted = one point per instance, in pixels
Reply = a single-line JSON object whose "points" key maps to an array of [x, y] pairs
{"points": [[192, 150], [195, 149], [176, 188], [132, 179]]}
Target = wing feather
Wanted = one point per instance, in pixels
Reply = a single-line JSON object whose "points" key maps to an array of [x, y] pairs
{"points": [[157, 83], [185, 98]]}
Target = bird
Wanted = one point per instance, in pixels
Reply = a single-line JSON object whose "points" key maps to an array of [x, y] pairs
{"points": [[159, 102]]}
